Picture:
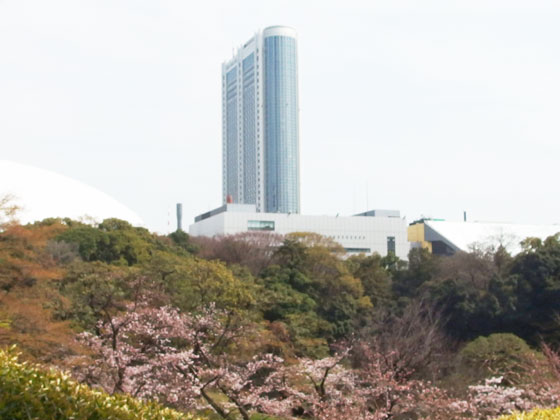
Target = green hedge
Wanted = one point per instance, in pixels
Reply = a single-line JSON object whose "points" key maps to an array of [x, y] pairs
{"points": [[540, 414], [30, 392]]}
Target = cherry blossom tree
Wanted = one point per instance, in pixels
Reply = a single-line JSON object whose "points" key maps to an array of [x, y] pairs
{"points": [[194, 361], [330, 389], [178, 359], [490, 399]]}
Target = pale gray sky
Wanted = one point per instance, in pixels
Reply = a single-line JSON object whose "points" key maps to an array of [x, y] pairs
{"points": [[430, 107]]}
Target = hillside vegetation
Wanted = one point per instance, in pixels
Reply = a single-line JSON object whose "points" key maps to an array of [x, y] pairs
{"points": [[263, 325]]}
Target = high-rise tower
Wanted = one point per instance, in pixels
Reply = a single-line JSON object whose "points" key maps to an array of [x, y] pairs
{"points": [[261, 123]]}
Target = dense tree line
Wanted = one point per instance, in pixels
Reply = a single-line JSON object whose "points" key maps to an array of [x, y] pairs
{"points": [[481, 292]]}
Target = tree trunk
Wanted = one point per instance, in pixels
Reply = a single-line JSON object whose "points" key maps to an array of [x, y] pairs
{"points": [[215, 405]]}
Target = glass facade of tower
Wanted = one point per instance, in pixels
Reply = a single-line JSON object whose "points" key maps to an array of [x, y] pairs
{"points": [[260, 123], [231, 135], [249, 131], [281, 125]]}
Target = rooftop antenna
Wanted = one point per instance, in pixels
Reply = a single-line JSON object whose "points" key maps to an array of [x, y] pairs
{"points": [[354, 199], [367, 195], [464, 216]]}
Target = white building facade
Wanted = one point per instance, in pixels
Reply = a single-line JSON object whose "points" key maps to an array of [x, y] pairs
{"points": [[382, 232]]}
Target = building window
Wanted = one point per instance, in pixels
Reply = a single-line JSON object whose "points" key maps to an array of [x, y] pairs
{"points": [[358, 250], [391, 247], [266, 225]]}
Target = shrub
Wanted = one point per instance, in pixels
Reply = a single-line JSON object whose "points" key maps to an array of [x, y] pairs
{"points": [[30, 392], [497, 355], [539, 414]]}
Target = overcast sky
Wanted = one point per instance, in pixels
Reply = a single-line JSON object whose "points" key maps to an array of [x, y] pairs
{"points": [[428, 107]]}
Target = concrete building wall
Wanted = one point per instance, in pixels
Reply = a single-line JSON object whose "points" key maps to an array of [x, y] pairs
{"points": [[416, 236], [355, 233]]}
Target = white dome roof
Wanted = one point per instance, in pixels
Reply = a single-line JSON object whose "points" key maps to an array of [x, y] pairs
{"points": [[42, 194]]}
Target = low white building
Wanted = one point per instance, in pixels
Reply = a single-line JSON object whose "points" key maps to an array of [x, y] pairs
{"points": [[376, 231], [446, 238]]}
